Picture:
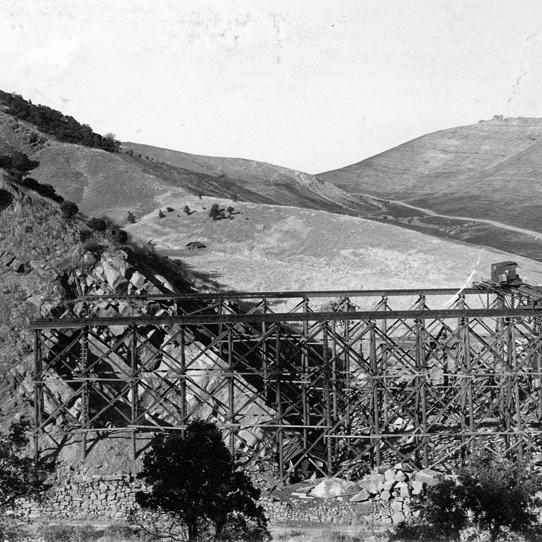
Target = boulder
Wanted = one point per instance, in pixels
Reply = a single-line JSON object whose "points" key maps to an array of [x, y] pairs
{"points": [[372, 483], [427, 476], [362, 496], [389, 474], [417, 487], [332, 487]]}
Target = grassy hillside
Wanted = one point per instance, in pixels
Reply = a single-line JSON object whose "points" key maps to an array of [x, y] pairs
{"points": [[114, 183], [488, 170], [278, 185], [285, 248]]}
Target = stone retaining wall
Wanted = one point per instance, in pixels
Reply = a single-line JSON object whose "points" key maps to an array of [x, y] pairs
{"points": [[112, 497]]}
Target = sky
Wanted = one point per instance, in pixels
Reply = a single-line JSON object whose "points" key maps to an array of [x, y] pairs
{"points": [[309, 84]]}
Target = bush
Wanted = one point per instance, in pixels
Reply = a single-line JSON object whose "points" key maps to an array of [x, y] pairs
{"points": [[492, 494], [54, 123], [120, 236], [20, 476], [68, 209], [194, 477], [97, 224]]}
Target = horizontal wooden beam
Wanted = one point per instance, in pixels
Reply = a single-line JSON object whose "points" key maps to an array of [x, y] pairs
{"points": [[202, 319], [283, 294]]}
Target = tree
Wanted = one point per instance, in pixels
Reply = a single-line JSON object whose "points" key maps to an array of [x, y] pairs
{"points": [[68, 209], [97, 224], [194, 476], [499, 493], [491, 494], [20, 476]]}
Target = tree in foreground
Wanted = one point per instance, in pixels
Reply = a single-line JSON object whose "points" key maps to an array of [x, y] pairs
{"points": [[20, 476], [194, 477], [493, 495]]}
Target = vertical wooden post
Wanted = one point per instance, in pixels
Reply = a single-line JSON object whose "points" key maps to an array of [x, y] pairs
{"points": [[38, 393], [305, 375], [421, 413], [326, 373], [84, 391], [375, 410], [265, 355], [134, 377], [231, 391], [278, 400], [334, 372], [347, 382], [469, 380], [182, 363], [538, 328], [508, 387]]}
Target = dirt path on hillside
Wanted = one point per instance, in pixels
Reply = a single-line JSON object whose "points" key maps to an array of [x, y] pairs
{"points": [[501, 225]]}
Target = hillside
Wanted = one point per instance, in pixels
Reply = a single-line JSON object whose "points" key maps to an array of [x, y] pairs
{"points": [[46, 260], [266, 247], [278, 185], [113, 183], [488, 170]]}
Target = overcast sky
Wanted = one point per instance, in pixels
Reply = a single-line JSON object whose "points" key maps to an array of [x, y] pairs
{"points": [[312, 85]]}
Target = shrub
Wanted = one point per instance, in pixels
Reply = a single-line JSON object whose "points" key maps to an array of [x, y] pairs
{"points": [[20, 476], [194, 477], [68, 209], [97, 224], [499, 493], [492, 494], [46, 190], [54, 123], [85, 235], [120, 236]]}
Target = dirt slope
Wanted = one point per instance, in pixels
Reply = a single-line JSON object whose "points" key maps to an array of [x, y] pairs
{"points": [[266, 247], [488, 170]]}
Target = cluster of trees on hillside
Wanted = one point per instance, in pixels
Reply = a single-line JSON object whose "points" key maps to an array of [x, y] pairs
{"points": [[54, 123]]}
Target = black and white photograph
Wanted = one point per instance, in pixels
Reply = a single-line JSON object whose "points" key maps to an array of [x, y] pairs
{"points": [[270, 271]]}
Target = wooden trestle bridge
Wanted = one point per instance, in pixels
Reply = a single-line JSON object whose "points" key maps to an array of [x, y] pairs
{"points": [[317, 380]]}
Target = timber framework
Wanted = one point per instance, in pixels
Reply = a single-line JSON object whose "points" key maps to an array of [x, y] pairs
{"points": [[319, 381]]}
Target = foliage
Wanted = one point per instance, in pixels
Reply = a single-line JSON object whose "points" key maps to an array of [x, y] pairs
{"points": [[492, 494], [499, 494], [68, 209], [44, 189], [120, 236], [194, 476], [54, 123], [215, 213], [97, 224], [17, 162], [20, 476]]}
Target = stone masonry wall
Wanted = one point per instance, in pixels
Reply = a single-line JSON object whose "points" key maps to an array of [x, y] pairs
{"points": [[377, 499]]}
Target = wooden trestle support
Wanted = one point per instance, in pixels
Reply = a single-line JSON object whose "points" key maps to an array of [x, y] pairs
{"points": [[419, 376]]}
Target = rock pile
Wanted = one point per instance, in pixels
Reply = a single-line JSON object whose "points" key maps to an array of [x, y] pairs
{"points": [[385, 495]]}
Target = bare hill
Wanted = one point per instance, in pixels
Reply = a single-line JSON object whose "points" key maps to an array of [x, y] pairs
{"points": [[488, 170], [285, 248], [110, 183]]}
